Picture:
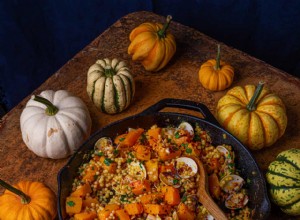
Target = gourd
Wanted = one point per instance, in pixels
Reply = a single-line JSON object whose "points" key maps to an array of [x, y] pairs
{"points": [[283, 177], [216, 75], [254, 115], [152, 44], [55, 124], [27, 201], [110, 85]]}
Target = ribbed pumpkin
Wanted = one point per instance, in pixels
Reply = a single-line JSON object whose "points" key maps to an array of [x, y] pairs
{"points": [[152, 45], [55, 124], [216, 75], [283, 176], [253, 114], [27, 201], [110, 85]]}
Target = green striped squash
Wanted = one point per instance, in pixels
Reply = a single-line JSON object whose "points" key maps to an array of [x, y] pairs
{"points": [[283, 176], [110, 85]]}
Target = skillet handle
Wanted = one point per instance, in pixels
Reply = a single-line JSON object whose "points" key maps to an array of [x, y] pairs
{"points": [[185, 104]]}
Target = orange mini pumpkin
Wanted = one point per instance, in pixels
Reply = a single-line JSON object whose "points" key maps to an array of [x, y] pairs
{"points": [[254, 115], [152, 45], [216, 75], [27, 201]]}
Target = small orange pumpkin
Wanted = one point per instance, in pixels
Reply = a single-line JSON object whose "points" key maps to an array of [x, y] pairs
{"points": [[27, 201], [152, 45], [254, 115], [216, 75]]}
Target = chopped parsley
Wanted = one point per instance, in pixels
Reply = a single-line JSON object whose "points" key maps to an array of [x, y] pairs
{"points": [[100, 153], [188, 150], [121, 139], [177, 135], [116, 152], [107, 161], [70, 203], [184, 198], [175, 181]]}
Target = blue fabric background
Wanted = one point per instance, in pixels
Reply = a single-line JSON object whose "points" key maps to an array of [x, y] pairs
{"points": [[38, 37]]}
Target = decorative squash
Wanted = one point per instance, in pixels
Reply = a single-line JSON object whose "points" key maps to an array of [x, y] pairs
{"points": [[27, 201], [283, 176], [216, 75], [152, 45], [110, 85], [255, 116], [55, 124]]}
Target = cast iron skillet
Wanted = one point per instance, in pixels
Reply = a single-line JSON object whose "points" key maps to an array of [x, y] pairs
{"points": [[258, 199]]}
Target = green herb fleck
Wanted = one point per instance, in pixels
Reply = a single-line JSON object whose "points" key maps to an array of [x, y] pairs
{"points": [[100, 153], [188, 150], [121, 139], [177, 135], [123, 198], [175, 181], [184, 145], [197, 137], [129, 160], [107, 161], [183, 199], [116, 152], [70, 203]]}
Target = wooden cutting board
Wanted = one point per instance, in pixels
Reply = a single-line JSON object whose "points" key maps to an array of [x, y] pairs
{"points": [[178, 80]]}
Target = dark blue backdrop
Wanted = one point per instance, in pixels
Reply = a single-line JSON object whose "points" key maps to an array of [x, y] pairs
{"points": [[38, 37]]}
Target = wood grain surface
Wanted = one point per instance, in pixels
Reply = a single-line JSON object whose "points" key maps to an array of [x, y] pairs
{"points": [[179, 79]]}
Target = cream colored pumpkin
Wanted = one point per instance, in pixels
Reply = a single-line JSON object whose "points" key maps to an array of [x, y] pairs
{"points": [[255, 116], [55, 124]]}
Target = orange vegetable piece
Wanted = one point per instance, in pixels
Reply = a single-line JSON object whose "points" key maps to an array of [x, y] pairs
{"points": [[108, 165], [85, 216], [112, 207], [167, 168], [152, 169], [156, 209], [213, 165], [140, 187], [214, 186], [132, 137], [103, 214], [153, 134], [87, 202], [142, 152], [184, 213], [152, 198], [82, 190], [168, 154], [73, 205], [134, 208], [172, 196], [181, 140], [120, 138], [90, 173], [122, 215]]}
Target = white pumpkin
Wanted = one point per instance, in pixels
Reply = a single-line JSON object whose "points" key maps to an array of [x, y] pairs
{"points": [[55, 124]]}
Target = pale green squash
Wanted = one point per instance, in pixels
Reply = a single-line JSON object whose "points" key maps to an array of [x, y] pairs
{"points": [[283, 176]]}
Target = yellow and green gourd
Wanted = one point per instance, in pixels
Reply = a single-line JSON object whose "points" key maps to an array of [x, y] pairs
{"points": [[283, 176], [110, 85]]}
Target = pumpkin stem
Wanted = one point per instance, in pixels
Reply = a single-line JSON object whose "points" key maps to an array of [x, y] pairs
{"points": [[162, 33], [51, 109], [217, 67], [251, 105], [109, 71], [24, 198]]}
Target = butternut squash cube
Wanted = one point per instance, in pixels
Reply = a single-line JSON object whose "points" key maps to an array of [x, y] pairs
{"points": [[73, 205]]}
